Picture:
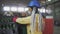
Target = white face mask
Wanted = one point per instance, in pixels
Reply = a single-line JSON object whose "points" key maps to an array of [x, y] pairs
{"points": [[29, 13]]}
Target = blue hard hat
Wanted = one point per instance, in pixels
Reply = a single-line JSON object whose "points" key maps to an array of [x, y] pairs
{"points": [[34, 3]]}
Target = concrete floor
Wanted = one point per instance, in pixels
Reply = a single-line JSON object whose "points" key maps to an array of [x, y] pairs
{"points": [[56, 29]]}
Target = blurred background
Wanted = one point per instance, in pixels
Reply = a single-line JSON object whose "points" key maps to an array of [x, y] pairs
{"points": [[10, 8]]}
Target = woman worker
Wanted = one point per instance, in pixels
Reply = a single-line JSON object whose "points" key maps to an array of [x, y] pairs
{"points": [[26, 21]]}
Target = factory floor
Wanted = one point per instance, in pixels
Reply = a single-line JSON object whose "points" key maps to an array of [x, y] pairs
{"points": [[56, 29]]}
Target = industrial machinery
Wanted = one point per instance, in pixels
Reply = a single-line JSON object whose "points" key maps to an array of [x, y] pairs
{"points": [[8, 28]]}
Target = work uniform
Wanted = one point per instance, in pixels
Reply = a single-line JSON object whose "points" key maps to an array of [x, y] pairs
{"points": [[27, 20]]}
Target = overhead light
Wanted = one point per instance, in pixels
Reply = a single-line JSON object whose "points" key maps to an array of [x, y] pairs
{"points": [[6, 8], [26, 9], [42, 10], [49, 0], [20, 9], [48, 11], [13, 8]]}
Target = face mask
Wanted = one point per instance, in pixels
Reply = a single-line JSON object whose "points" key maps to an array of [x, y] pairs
{"points": [[29, 12]]}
